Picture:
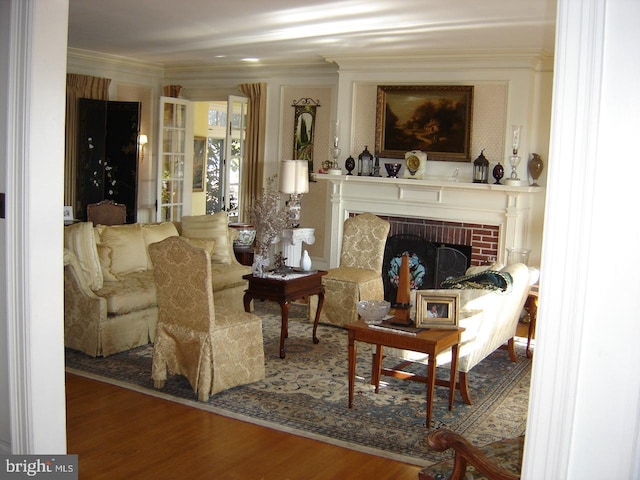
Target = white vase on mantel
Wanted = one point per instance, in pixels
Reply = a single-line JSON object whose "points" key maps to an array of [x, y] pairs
{"points": [[305, 261]]}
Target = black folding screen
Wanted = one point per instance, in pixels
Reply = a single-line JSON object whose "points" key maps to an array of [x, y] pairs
{"points": [[107, 165]]}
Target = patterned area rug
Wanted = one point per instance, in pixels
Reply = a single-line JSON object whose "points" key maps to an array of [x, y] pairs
{"points": [[306, 393]]}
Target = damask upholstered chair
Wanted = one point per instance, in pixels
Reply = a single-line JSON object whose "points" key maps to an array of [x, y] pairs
{"points": [[359, 276], [107, 212], [214, 347]]}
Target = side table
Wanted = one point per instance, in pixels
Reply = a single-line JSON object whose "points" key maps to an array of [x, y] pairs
{"points": [[284, 289], [431, 342]]}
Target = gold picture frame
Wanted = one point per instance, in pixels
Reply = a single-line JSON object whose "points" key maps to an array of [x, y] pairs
{"points": [[437, 309], [433, 119], [199, 157]]}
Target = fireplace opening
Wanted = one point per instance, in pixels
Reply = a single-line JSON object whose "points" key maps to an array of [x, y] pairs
{"points": [[452, 261], [429, 263]]}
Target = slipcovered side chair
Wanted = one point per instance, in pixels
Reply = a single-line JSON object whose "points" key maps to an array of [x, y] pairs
{"points": [[359, 276], [215, 348], [107, 212]]}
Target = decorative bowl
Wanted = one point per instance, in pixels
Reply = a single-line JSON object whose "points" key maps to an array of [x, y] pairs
{"points": [[392, 169], [246, 235], [373, 311]]}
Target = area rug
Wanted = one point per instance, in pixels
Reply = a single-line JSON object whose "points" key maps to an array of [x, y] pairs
{"points": [[306, 393]]}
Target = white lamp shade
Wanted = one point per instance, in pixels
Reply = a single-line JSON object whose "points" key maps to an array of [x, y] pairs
{"points": [[294, 176]]}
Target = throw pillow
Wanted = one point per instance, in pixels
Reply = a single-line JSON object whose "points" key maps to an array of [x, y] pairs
{"points": [[129, 253], [79, 238], [211, 227], [105, 253], [206, 245], [157, 232], [487, 280]]}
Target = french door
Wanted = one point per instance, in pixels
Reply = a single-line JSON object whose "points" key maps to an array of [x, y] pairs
{"points": [[226, 155], [175, 159]]}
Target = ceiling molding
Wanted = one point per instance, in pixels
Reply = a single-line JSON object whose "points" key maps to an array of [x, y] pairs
{"points": [[467, 60], [81, 60]]}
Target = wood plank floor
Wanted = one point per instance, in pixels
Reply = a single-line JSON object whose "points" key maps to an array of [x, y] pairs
{"points": [[121, 434]]}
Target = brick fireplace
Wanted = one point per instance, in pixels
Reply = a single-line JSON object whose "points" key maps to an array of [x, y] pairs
{"points": [[483, 239], [489, 218]]}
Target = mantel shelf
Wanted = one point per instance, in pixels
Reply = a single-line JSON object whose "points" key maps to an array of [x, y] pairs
{"points": [[443, 182]]}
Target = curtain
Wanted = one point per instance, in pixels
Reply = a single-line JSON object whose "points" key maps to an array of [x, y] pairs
{"points": [[251, 182], [172, 91], [78, 86]]}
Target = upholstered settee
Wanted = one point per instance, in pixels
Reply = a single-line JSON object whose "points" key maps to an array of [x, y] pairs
{"points": [[489, 316], [110, 294]]}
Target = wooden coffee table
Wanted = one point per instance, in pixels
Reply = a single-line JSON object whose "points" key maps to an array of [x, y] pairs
{"points": [[284, 290], [431, 342]]}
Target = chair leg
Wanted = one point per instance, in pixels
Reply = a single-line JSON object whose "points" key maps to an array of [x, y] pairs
{"points": [[463, 385], [512, 350]]}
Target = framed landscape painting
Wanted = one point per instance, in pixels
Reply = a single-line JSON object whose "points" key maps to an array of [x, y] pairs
{"points": [[433, 119]]}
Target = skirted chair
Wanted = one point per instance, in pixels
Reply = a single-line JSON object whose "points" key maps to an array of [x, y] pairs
{"points": [[359, 276], [215, 348]]}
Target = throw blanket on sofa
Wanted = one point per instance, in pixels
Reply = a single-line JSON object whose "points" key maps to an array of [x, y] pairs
{"points": [[487, 280]]}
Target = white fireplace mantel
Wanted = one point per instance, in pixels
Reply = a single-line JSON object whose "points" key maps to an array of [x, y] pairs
{"points": [[508, 207]]}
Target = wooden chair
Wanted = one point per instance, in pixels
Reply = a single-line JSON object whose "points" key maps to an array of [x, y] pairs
{"points": [[107, 212], [214, 347], [501, 460]]}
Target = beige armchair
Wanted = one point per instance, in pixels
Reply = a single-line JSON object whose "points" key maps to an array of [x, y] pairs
{"points": [[359, 276], [215, 348]]}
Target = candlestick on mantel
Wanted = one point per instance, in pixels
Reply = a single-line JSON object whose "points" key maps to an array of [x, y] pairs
{"points": [[403, 302], [336, 134]]}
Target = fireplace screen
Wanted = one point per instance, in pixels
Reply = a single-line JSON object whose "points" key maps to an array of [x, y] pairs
{"points": [[429, 265], [422, 259]]}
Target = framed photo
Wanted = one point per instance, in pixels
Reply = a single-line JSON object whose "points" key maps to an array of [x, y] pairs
{"points": [[433, 119], [437, 309], [68, 213], [199, 157]]}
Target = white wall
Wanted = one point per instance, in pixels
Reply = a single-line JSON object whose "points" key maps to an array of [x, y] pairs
{"points": [[32, 169], [584, 413], [5, 424]]}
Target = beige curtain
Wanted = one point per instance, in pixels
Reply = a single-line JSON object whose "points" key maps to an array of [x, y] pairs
{"points": [[251, 182], [172, 91], [78, 86]]}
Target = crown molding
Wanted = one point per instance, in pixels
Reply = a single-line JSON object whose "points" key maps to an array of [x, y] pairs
{"points": [[258, 70], [538, 60], [81, 60]]}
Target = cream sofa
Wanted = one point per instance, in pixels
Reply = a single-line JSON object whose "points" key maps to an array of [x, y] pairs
{"points": [[490, 319], [110, 293]]}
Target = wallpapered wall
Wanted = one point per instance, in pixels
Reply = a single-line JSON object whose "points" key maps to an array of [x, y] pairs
{"points": [[313, 211], [487, 131]]}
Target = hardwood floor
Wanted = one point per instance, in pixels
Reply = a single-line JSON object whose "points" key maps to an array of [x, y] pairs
{"points": [[121, 434]]}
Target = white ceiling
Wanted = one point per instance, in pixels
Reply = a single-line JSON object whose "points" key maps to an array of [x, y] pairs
{"points": [[217, 31]]}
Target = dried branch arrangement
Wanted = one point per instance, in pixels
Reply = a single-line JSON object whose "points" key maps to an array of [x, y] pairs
{"points": [[269, 216]]}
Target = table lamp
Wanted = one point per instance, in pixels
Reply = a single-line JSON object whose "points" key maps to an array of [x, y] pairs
{"points": [[294, 181]]}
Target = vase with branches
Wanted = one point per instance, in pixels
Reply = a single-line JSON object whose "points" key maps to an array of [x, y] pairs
{"points": [[270, 217]]}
